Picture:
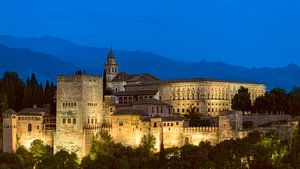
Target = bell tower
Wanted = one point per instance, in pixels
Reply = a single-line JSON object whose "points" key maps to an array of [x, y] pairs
{"points": [[111, 66]]}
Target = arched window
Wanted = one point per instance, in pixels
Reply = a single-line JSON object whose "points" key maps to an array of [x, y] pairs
{"points": [[29, 127], [155, 125]]}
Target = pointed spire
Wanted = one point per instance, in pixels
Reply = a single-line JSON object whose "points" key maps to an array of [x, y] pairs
{"points": [[111, 54]]}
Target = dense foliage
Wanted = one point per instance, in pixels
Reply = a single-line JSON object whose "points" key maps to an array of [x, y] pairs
{"points": [[16, 94], [241, 100], [256, 151], [196, 119], [276, 101]]}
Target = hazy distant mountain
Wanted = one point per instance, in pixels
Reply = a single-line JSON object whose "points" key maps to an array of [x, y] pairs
{"points": [[92, 60], [25, 61]]}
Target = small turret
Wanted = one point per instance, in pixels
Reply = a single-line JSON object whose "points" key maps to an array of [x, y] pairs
{"points": [[111, 66]]}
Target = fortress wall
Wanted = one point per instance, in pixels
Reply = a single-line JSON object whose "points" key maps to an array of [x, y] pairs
{"points": [[263, 119], [195, 135]]}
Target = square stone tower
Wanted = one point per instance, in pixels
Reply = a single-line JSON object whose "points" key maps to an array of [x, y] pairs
{"points": [[79, 112]]}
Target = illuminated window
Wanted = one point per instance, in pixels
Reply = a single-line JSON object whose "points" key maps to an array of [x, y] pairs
{"points": [[29, 127]]}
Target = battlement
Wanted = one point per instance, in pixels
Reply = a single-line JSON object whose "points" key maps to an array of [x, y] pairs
{"points": [[200, 129], [76, 77]]}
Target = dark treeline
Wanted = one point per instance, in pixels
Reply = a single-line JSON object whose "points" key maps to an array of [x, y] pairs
{"points": [[276, 101], [256, 151], [17, 94]]}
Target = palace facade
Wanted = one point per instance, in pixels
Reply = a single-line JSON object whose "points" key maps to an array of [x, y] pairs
{"points": [[140, 104]]}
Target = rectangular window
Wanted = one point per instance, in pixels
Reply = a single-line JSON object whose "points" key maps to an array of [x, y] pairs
{"points": [[74, 121], [64, 121], [177, 123], [92, 121], [120, 123], [69, 121]]}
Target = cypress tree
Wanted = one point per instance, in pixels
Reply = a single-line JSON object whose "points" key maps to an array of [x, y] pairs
{"points": [[104, 84], [52, 99]]}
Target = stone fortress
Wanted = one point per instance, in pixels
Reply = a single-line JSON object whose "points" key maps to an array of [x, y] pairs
{"points": [[140, 104]]}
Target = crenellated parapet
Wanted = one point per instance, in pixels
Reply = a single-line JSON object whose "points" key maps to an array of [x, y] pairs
{"points": [[200, 129], [74, 78]]}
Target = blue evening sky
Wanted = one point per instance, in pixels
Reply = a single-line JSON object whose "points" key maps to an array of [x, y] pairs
{"points": [[252, 33]]}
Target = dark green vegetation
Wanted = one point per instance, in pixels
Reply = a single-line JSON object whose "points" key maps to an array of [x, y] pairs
{"points": [[16, 94], [256, 151], [276, 101], [196, 118]]}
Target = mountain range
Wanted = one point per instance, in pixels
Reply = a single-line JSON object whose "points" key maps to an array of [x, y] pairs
{"points": [[50, 56]]}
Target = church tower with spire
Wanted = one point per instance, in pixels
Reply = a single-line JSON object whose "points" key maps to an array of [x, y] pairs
{"points": [[110, 66]]}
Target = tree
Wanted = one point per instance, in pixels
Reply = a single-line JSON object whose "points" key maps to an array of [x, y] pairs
{"points": [[241, 100], [260, 105], [39, 150], [162, 155], [25, 156], [195, 120], [61, 160]]}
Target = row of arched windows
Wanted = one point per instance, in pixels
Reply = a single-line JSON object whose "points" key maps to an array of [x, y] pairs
{"points": [[69, 104], [111, 70], [92, 104]]}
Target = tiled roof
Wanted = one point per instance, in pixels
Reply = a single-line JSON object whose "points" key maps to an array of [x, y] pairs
{"points": [[150, 101], [10, 111], [34, 111], [123, 76], [136, 93], [168, 118], [130, 112], [190, 80]]}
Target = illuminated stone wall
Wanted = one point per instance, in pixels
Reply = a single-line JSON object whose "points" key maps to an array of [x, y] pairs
{"points": [[129, 130], [30, 128], [22, 130], [209, 97], [9, 133], [79, 107]]}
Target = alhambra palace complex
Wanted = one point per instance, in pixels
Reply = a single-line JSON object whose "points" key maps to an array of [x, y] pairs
{"points": [[141, 104]]}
